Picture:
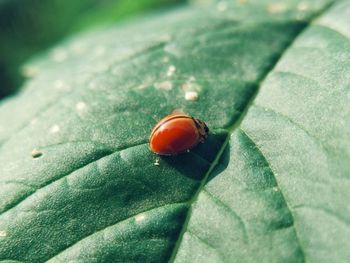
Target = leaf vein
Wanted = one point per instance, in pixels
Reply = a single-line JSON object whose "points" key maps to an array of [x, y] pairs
{"points": [[220, 203], [116, 223], [281, 191], [201, 240], [47, 184]]}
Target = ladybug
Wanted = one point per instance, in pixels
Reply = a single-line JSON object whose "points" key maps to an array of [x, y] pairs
{"points": [[177, 133]]}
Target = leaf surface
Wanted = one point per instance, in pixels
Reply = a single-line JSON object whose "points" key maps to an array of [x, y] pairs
{"points": [[279, 193], [78, 182]]}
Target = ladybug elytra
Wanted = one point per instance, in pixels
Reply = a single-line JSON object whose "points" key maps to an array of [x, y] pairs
{"points": [[177, 133]]}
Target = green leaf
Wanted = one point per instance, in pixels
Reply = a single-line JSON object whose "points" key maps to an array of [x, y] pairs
{"points": [[280, 191], [78, 182], [30, 26]]}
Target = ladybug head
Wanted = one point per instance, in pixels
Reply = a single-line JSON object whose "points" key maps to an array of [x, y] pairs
{"points": [[202, 128]]}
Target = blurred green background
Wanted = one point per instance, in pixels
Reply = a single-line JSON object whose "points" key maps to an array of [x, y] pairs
{"points": [[28, 27]]}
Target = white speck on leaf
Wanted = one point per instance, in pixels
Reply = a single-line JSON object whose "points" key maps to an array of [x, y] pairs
{"points": [[276, 189], [3, 233], [191, 95], [80, 106], [222, 6], [276, 8], [157, 162], [36, 153], [171, 71], [55, 129], [140, 217], [59, 55], [165, 85]]}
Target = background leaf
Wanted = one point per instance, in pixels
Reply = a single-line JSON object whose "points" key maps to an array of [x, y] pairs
{"points": [[31, 26], [268, 185]]}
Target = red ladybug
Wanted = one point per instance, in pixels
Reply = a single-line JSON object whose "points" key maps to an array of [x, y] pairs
{"points": [[177, 133]]}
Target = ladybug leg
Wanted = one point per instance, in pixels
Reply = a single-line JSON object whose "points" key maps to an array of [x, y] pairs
{"points": [[157, 161]]}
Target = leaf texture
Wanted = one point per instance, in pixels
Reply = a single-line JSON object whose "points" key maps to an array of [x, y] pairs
{"points": [[268, 185]]}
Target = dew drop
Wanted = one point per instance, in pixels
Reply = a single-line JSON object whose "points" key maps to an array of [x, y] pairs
{"points": [[276, 189]]}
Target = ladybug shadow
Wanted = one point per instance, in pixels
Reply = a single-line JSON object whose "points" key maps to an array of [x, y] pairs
{"points": [[196, 163]]}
